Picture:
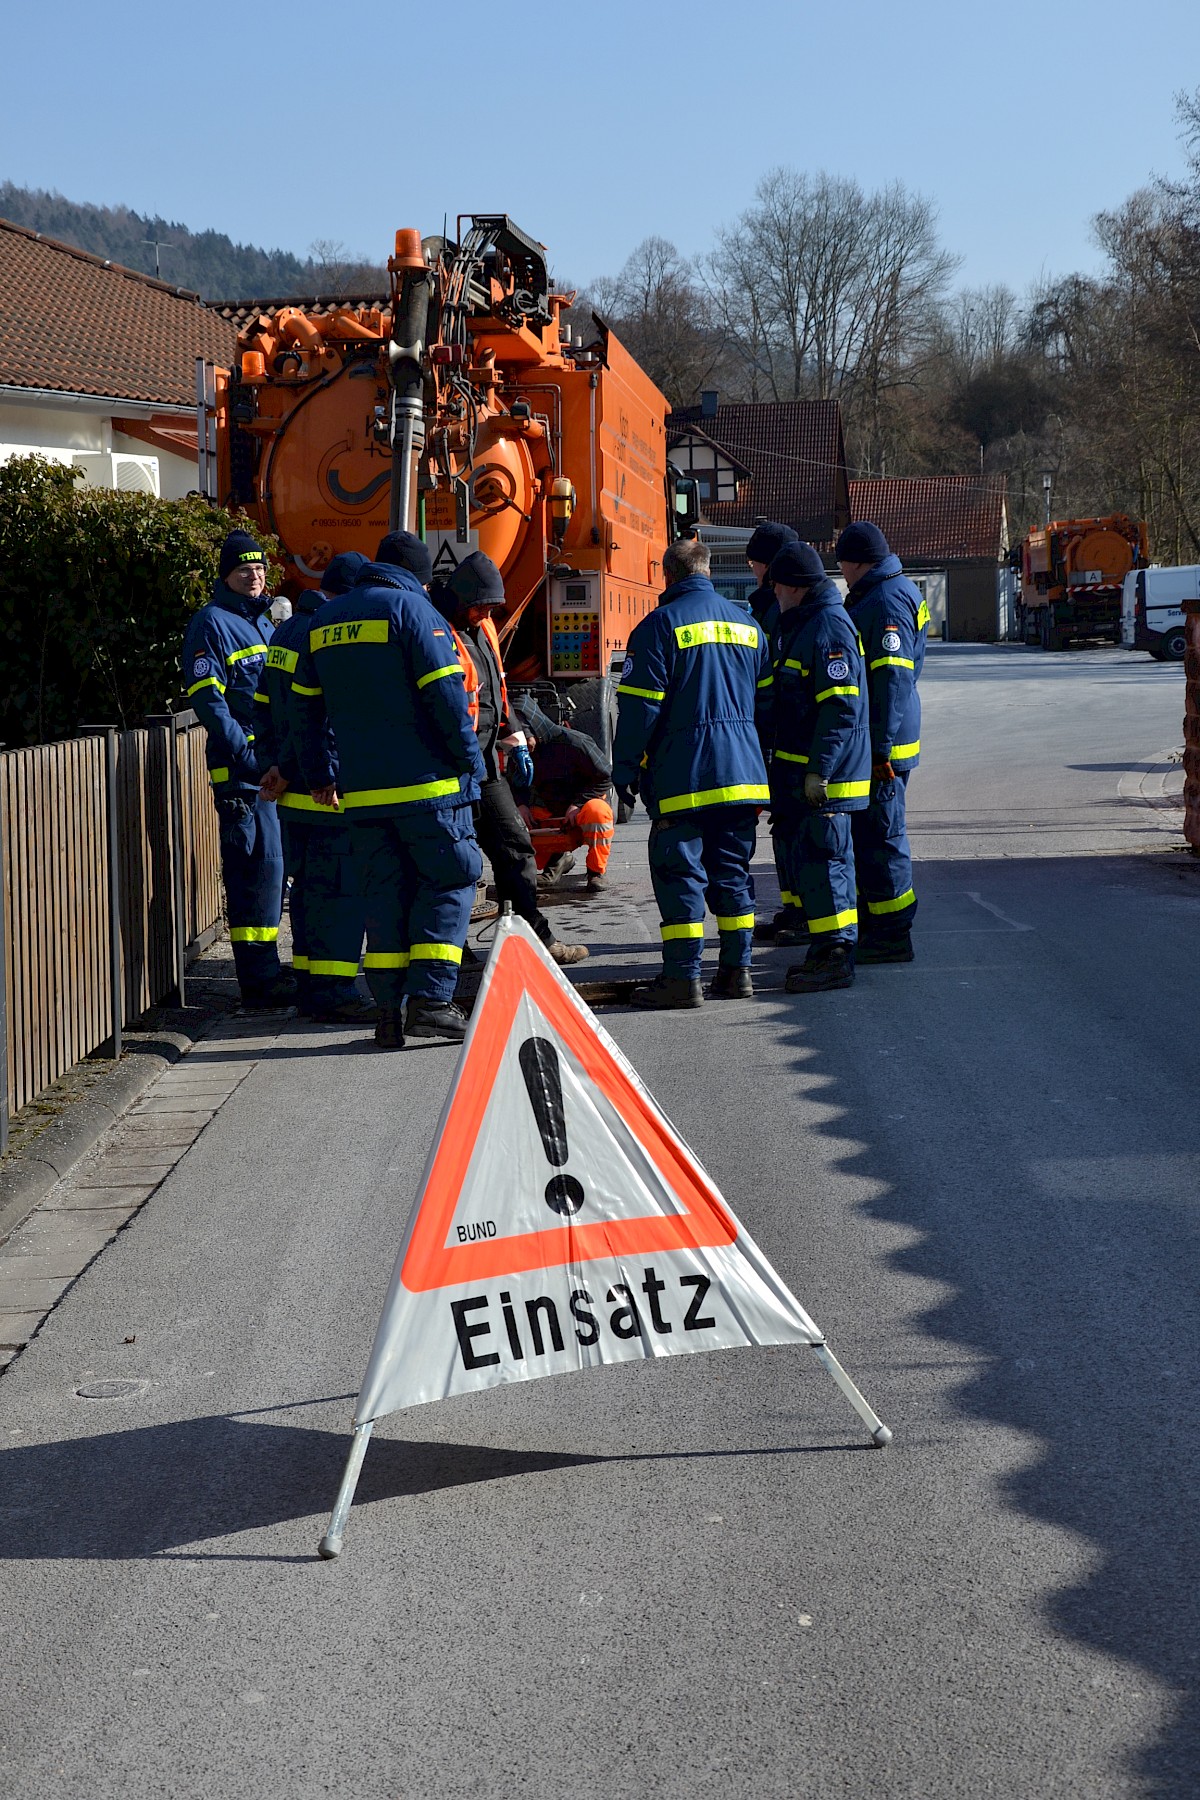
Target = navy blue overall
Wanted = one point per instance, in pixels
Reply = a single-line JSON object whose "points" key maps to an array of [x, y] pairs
{"points": [[381, 669], [891, 619], [224, 650], [816, 724], [325, 903], [686, 739]]}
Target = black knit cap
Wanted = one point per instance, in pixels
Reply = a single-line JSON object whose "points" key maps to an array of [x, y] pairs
{"points": [[239, 551], [404, 550], [767, 540], [862, 543], [797, 565], [342, 572], [477, 582]]}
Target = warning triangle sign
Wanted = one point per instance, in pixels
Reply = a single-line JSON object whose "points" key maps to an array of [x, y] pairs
{"points": [[562, 1222]]}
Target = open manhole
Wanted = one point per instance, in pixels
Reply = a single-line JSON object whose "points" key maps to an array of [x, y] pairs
{"points": [[110, 1390]]}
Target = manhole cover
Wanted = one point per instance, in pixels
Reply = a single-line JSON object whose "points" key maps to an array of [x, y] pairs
{"points": [[110, 1390]]}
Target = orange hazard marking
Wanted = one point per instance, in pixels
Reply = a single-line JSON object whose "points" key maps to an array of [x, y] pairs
{"points": [[431, 1263]]}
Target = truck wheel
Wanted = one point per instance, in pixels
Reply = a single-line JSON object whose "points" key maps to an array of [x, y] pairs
{"points": [[1172, 646], [596, 714], [1045, 634]]}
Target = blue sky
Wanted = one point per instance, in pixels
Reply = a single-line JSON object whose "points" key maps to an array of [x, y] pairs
{"points": [[594, 126]]}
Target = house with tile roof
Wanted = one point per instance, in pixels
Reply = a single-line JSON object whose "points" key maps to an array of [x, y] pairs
{"points": [[98, 365], [951, 534]]}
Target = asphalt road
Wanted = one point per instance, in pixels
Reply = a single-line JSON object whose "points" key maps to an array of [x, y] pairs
{"points": [[688, 1578]]}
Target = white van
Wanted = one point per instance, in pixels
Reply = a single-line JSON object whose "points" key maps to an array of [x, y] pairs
{"points": [[1151, 610]]}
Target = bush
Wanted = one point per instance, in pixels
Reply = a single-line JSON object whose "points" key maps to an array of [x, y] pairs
{"points": [[96, 590]]}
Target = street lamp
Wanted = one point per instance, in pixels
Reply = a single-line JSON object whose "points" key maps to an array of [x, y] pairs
{"points": [[1047, 485]]}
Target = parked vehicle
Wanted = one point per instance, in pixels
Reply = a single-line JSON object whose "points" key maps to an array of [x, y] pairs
{"points": [[1152, 616], [1071, 573]]}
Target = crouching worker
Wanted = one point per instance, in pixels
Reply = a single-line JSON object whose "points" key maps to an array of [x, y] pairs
{"points": [[224, 651], [325, 903], [569, 790], [819, 743]]}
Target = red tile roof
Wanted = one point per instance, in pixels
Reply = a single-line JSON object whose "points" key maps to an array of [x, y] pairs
{"points": [[796, 458], [72, 323], [936, 518], [242, 312]]}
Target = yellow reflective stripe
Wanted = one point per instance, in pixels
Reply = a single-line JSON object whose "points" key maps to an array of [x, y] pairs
{"points": [[790, 756], [682, 931], [309, 693], [209, 681], [738, 922], [217, 775], [903, 751], [331, 968], [440, 674], [767, 681], [922, 615], [280, 658], [421, 790], [713, 797], [847, 790], [246, 650], [253, 934], [826, 692], [451, 953], [897, 905], [262, 699], [355, 631], [642, 693], [893, 662], [717, 631], [304, 803], [834, 921], [791, 663], [789, 899], [386, 959], [300, 963]]}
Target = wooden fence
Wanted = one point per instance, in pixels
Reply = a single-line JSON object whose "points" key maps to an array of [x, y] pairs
{"points": [[110, 878]]}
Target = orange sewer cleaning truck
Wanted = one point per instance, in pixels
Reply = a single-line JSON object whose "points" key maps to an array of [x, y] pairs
{"points": [[1071, 573], [466, 409]]}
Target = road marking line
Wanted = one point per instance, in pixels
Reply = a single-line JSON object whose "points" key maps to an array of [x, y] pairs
{"points": [[996, 913]]}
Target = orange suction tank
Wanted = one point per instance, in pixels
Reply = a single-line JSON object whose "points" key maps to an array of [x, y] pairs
{"points": [[326, 479]]}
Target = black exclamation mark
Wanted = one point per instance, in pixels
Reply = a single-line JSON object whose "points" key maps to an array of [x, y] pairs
{"points": [[539, 1066]]}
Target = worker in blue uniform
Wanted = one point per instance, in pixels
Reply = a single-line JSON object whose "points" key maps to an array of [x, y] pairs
{"points": [[766, 541], [815, 726], [224, 650], [686, 740], [381, 669], [892, 620], [325, 901]]}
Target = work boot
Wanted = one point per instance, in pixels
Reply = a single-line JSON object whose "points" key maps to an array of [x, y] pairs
{"points": [[794, 932], [596, 883], [266, 996], [879, 949], [389, 1031], [731, 984], [667, 992], [766, 931], [825, 966], [555, 869], [435, 1019], [565, 954], [351, 1011]]}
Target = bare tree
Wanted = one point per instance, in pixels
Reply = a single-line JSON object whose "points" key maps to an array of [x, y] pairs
{"points": [[662, 316]]}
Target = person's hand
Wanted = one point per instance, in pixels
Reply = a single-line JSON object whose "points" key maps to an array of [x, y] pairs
{"points": [[520, 767], [627, 795], [526, 813], [570, 816], [272, 784], [816, 791], [882, 771], [327, 796]]}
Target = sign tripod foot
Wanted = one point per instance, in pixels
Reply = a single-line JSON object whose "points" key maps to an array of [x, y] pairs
{"points": [[881, 1437], [331, 1544]]}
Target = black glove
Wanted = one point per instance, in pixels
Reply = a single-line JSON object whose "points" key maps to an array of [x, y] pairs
{"points": [[627, 795], [232, 807]]}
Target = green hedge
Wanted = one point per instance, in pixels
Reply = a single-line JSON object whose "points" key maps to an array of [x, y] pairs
{"points": [[96, 589]]}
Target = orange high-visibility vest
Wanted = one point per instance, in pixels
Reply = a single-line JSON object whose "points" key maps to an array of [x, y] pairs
{"points": [[471, 673]]}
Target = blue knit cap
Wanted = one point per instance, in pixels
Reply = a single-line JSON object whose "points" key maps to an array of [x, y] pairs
{"points": [[342, 572], [405, 550], [767, 540], [862, 543], [797, 565]]}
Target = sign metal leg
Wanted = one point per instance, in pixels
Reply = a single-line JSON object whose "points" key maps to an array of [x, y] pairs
{"points": [[331, 1544], [880, 1435]]}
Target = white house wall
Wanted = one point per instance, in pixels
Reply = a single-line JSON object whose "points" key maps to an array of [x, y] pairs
{"points": [[64, 435]]}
